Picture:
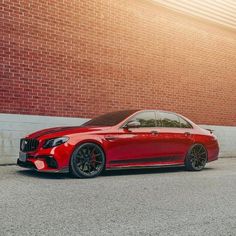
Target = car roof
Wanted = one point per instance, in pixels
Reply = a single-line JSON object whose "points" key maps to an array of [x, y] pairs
{"points": [[143, 110]]}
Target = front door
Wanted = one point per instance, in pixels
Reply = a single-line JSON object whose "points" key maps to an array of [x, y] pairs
{"points": [[135, 146]]}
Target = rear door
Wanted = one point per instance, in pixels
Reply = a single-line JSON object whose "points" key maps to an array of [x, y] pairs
{"points": [[174, 138]]}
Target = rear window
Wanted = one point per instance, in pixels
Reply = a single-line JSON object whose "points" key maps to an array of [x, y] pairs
{"points": [[184, 123], [170, 120]]}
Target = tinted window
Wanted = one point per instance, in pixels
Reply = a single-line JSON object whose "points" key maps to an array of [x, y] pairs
{"points": [[158, 119], [170, 120], [184, 123], [146, 119], [110, 119]]}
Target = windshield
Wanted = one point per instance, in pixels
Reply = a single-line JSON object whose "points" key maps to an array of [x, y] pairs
{"points": [[109, 119]]}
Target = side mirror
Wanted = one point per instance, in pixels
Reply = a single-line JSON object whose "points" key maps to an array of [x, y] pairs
{"points": [[132, 124]]}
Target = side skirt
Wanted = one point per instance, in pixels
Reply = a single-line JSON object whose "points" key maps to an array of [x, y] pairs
{"points": [[141, 160], [145, 167], [63, 171]]}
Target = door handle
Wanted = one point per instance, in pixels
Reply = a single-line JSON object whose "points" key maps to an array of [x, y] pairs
{"points": [[110, 138], [154, 132], [187, 133]]}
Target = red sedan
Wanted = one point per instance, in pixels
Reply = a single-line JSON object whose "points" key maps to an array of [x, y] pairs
{"points": [[123, 139]]}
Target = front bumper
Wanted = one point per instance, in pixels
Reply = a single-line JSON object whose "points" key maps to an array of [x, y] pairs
{"points": [[54, 159], [33, 166]]}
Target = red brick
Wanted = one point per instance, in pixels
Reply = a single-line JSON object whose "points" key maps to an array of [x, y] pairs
{"points": [[82, 58]]}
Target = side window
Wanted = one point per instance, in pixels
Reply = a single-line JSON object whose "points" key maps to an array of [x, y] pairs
{"points": [[158, 119], [184, 123], [146, 119], [170, 120]]}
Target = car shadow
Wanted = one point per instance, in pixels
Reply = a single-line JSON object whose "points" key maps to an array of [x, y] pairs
{"points": [[144, 171], [108, 173]]}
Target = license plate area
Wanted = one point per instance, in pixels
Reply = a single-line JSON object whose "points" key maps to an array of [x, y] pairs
{"points": [[22, 156]]}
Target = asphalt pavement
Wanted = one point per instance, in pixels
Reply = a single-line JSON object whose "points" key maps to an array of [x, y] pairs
{"points": [[167, 201]]}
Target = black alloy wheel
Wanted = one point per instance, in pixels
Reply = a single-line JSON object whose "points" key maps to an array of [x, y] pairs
{"points": [[87, 161], [196, 158]]}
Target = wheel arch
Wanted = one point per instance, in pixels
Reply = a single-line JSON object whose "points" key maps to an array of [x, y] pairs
{"points": [[194, 144], [97, 142]]}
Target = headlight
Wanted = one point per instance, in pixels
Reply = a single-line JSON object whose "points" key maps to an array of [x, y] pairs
{"points": [[55, 142]]}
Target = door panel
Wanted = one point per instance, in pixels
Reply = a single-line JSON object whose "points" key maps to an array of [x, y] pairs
{"points": [[141, 147], [174, 143], [132, 146]]}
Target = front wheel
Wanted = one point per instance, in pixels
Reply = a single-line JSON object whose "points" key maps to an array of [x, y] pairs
{"points": [[196, 158], [87, 161]]}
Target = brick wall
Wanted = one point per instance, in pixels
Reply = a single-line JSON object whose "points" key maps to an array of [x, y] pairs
{"points": [[82, 58]]}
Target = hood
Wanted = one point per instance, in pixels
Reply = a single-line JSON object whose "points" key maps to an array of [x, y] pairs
{"points": [[62, 131]]}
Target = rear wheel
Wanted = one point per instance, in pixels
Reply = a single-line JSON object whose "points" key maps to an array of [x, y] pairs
{"points": [[196, 158], [87, 161]]}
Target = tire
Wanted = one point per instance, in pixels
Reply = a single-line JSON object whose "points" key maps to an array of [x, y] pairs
{"points": [[196, 158], [87, 161]]}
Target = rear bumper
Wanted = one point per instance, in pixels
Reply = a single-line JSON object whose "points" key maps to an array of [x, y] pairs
{"points": [[40, 166], [213, 150], [213, 159]]}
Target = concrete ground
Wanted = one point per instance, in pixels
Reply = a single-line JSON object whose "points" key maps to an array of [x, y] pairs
{"points": [[138, 202]]}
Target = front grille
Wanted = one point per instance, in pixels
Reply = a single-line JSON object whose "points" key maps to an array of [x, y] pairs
{"points": [[27, 145]]}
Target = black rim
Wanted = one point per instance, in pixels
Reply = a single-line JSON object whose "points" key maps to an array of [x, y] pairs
{"points": [[198, 157], [89, 159]]}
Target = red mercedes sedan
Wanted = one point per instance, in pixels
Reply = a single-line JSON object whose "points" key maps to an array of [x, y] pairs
{"points": [[122, 139]]}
